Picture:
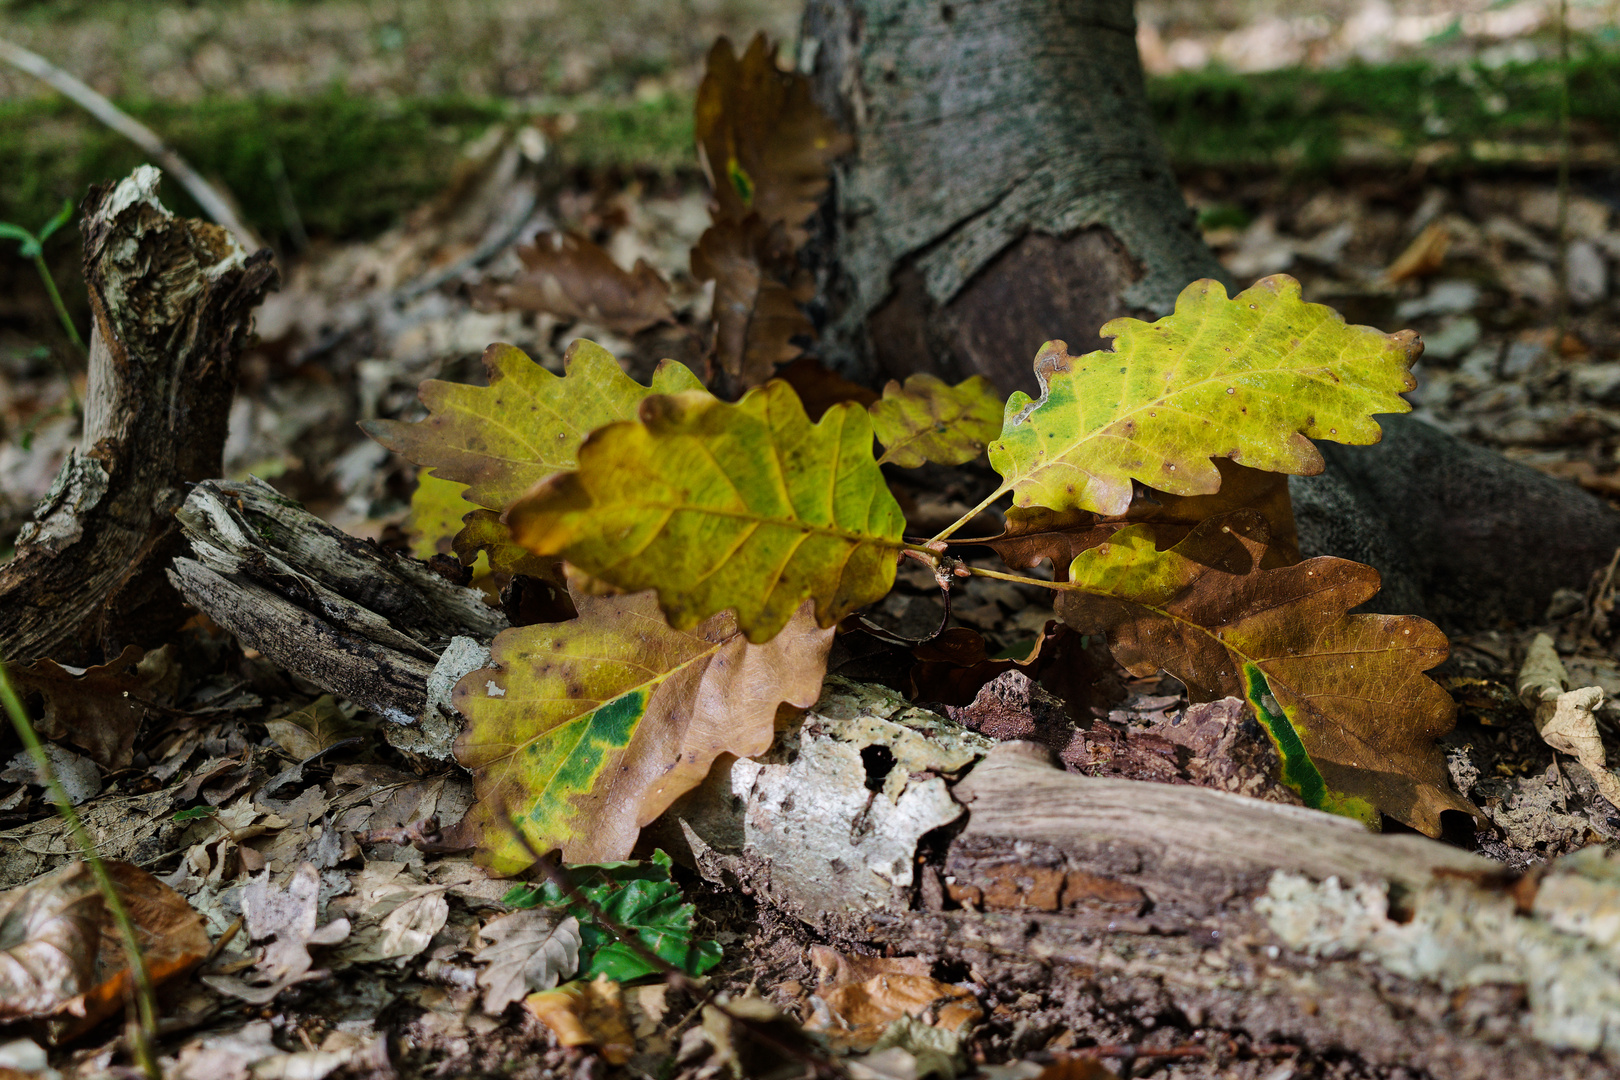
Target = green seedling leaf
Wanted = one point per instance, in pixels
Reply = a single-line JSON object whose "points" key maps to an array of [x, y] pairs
{"points": [[30, 243], [748, 507], [526, 425], [1343, 696], [586, 730], [930, 420], [63, 216], [640, 897], [1254, 378]]}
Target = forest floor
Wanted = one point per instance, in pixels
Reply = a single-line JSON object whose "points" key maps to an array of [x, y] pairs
{"points": [[1466, 255]]}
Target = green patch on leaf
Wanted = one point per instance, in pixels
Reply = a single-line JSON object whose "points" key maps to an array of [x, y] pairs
{"points": [[1299, 772], [638, 896]]}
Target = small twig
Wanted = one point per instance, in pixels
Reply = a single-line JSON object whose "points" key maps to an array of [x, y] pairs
{"points": [[212, 203], [145, 1029]]}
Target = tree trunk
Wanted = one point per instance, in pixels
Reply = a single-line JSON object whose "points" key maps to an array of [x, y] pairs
{"points": [[1007, 187]]}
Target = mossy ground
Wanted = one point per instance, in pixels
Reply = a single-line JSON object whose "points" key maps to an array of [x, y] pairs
{"points": [[352, 166]]}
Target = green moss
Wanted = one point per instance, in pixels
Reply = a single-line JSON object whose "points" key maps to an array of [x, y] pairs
{"points": [[353, 166], [1313, 120]]}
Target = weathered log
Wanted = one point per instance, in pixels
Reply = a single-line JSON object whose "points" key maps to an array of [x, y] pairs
{"points": [[358, 621], [172, 300], [1200, 908]]}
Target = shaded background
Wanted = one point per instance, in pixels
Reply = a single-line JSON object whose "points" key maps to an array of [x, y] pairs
{"points": [[376, 144]]}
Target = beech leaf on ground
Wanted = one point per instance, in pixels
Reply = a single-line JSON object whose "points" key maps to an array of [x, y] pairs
{"points": [[638, 896], [764, 143], [49, 935], [1343, 696], [525, 952], [1253, 378], [168, 930], [586, 730], [502, 439], [570, 277], [930, 420], [758, 287], [748, 507]]}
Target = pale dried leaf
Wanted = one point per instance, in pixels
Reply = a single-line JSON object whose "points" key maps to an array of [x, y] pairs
{"points": [[48, 940], [526, 951], [287, 917]]}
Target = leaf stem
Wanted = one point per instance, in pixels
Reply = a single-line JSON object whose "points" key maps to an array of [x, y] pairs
{"points": [[146, 1007], [1055, 586], [973, 513]]}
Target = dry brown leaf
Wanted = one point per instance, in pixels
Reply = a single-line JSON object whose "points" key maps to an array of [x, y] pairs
{"points": [[171, 939], [1343, 696], [61, 954], [49, 934], [1566, 719], [570, 277], [854, 1015], [758, 288], [765, 145], [1423, 256], [101, 708], [586, 1014], [525, 952]]}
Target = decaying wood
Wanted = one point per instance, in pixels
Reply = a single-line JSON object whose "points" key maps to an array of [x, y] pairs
{"points": [[358, 621], [1137, 899], [172, 300]]}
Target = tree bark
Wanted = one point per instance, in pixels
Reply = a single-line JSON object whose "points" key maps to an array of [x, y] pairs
{"points": [[1007, 187], [172, 301]]}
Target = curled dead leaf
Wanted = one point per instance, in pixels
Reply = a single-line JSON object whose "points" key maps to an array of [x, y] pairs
{"points": [[759, 286], [762, 140], [587, 1014], [568, 276], [100, 708]]}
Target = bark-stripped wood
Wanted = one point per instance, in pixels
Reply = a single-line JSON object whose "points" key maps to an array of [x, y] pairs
{"points": [[172, 300], [355, 620]]}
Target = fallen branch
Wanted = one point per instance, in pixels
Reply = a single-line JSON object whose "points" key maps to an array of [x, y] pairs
{"points": [[212, 203], [172, 301], [355, 620]]}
